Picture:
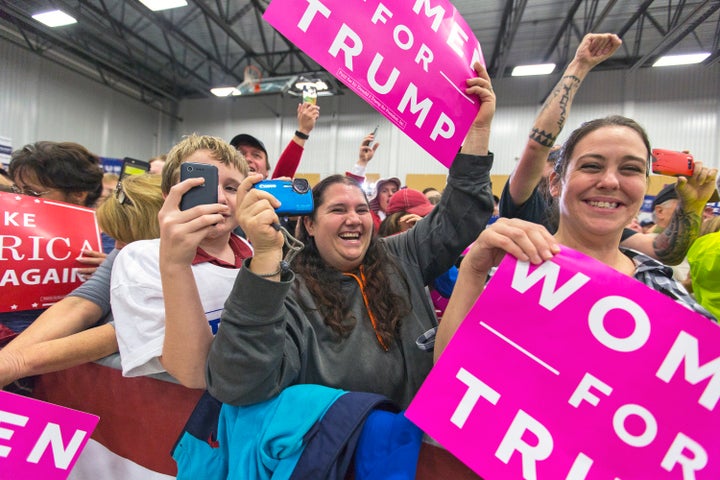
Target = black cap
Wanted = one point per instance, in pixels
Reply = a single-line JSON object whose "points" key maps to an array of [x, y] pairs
{"points": [[245, 139], [668, 192]]}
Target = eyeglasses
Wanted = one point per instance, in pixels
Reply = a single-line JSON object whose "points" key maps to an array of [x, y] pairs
{"points": [[28, 191], [121, 196]]}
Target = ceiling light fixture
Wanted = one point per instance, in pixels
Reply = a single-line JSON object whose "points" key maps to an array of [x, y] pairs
{"points": [[689, 59], [54, 18], [528, 70], [224, 91], [157, 5]]}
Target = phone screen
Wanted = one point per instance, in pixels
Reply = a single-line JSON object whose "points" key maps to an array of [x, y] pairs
{"points": [[133, 170], [133, 166]]}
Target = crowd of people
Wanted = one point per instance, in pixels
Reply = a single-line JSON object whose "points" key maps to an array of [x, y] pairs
{"points": [[208, 296]]}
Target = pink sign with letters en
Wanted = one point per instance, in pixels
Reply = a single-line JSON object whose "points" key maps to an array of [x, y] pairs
{"points": [[39, 439], [408, 60], [571, 370]]}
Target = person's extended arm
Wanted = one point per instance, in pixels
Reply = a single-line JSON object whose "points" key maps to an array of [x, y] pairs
{"points": [[187, 334], [366, 154], [289, 160], [436, 241], [58, 353], [594, 49], [251, 358], [671, 246], [80, 310], [527, 241], [68, 316]]}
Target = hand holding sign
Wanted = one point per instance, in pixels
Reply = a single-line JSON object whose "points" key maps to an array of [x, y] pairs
{"points": [[482, 87], [573, 370], [409, 60], [524, 240], [92, 258]]}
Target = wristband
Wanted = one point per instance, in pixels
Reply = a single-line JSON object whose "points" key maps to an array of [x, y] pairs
{"points": [[283, 266], [358, 170], [301, 135]]}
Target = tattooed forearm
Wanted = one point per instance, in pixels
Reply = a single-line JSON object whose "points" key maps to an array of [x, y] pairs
{"points": [[672, 244], [561, 99], [569, 85], [546, 139]]}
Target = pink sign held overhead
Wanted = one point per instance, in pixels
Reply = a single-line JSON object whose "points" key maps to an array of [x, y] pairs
{"points": [[571, 370], [39, 439], [409, 60]]}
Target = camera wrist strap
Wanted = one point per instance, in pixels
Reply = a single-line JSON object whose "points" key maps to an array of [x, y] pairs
{"points": [[293, 246]]}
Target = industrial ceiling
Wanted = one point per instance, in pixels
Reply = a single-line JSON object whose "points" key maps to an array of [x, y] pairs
{"points": [[161, 58]]}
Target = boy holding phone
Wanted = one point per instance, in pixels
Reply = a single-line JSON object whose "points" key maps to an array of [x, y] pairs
{"points": [[167, 294]]}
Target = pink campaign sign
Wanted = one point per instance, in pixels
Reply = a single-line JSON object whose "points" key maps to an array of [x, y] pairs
{"points": [[572, 370], [39, 439], [409, 60]]}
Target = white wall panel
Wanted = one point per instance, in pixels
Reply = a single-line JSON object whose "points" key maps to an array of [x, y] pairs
{"points": [[40, 100], [680, 108]]}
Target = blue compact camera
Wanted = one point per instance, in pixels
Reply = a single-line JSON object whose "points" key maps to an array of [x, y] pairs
{"points": [[294, 195]]}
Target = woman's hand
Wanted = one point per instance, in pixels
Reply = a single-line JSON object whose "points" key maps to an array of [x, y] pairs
{"points": [[406, 222], [367, 152], [92, 258], [256, 216], [527, 241], [478, 137]]}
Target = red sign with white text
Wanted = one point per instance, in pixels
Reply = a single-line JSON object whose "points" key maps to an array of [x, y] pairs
{"points": [[39, 242]]}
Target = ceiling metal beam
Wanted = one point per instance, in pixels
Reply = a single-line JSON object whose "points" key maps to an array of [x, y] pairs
{"points": [[210, 13], [677, 32], [564, 26], [509, 25], [122, 31], [259, 12], [23, 22], [185, 40]]}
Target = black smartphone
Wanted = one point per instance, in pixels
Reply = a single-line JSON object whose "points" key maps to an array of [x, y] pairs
{"points": [[133, 166], [202, 194], [374, 132]]}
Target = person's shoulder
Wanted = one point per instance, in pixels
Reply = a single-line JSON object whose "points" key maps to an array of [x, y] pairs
{"points": [[139, 250]]}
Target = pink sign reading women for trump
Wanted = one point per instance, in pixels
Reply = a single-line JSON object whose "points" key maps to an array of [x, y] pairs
{"points": [[409, 60], [571, 370]]}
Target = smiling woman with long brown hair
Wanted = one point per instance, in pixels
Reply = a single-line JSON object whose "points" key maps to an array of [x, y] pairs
{"points": [[349, 315]]}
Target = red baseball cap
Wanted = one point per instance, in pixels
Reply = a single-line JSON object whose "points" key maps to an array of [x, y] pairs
{"points": [[410, 201]]}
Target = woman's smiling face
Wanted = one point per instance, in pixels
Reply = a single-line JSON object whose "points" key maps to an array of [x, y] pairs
{"points": [[342, 226], [604, 184]]}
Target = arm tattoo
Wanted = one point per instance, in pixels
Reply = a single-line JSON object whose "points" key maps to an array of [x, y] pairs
{"points": [[546, 139], [672, 244], [563, 93]]}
